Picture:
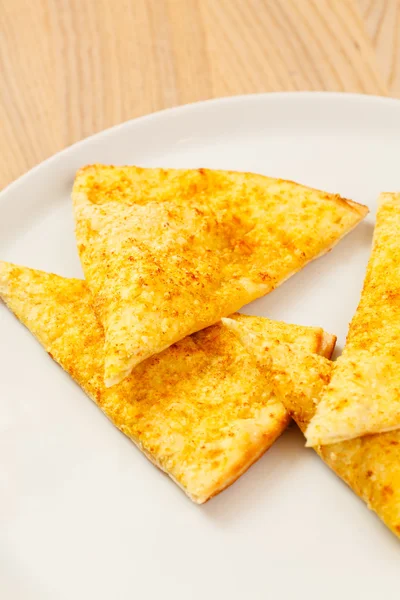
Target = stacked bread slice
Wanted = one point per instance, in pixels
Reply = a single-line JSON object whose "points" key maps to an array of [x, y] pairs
{"points": [[166, 253], [169, 253]]}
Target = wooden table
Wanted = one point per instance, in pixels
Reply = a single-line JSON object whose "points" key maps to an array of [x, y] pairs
{"points": [[70, 68]]}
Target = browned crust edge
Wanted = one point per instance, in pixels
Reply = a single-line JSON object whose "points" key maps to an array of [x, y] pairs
{"points": [[250, 457], [361, 209], [327, 344]]}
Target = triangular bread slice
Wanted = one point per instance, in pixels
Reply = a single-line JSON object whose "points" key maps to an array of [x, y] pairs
{"points": [[364, 394], [288, 362], [202, 410], [168, 252], [370, 465]]}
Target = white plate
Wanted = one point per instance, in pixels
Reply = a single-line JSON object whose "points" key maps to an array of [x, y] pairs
{"points": [[83, 514]]}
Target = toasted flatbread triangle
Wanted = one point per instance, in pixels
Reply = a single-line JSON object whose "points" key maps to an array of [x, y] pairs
{"points": [[202, 410], [311, 339], [168, 252], [364, 394], [288, 363], [370, 465]]}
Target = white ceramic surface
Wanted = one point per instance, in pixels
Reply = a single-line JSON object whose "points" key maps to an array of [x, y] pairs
{"points": [[83, 515]]}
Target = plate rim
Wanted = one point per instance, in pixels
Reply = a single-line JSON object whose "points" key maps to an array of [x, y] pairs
{"points": [[344, 101], [182, 108]]}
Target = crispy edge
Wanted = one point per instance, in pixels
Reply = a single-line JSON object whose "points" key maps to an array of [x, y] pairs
{"points": [[316, 438], [248, 459], [361, 209], [327, 344], [324, 345], [80, 196], [276, 427]]}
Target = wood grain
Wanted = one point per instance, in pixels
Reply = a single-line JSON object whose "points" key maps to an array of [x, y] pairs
{"points": [[70, 68], [382, 24]]}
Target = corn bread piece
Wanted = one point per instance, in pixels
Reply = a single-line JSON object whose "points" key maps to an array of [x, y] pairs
{"points": [[363, 396], [169, 252], [370, 465], [202, 410]]}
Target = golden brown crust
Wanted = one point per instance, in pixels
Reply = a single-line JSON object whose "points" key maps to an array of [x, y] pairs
{"points": [[290, 366], [359, 208], [169, 252], [249, 457], [370, 465], [202, 411], [364, 394], [327, 345], [312, 339]]}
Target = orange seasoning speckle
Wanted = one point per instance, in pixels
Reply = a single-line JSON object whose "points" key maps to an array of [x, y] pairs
{"points": [[212, 240]]}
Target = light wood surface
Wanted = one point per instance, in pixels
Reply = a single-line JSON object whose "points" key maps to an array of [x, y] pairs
{"points": [[69, 68], [382, 24]]}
